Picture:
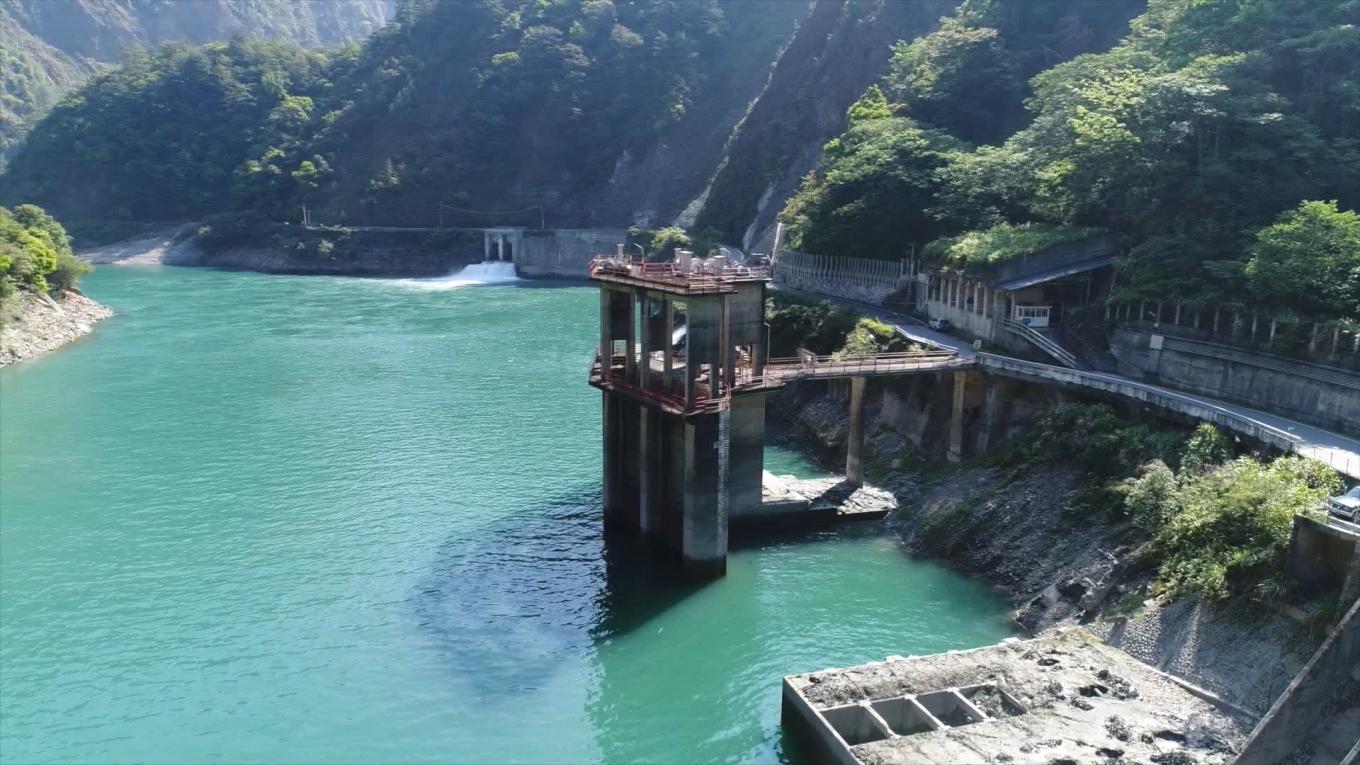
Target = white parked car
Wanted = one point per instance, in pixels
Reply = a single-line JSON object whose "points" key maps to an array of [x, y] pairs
{"points": [[1346, 506]]}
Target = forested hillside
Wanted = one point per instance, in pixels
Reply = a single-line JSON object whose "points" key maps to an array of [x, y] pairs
{"points": [[47, 47], [1217, 140], [595, 110], [1220, 140], [844, 48]]}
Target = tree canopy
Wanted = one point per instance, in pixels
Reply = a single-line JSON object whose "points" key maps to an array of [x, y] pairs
{"points": [[35, 253], [1186, 140], [527, 94]]}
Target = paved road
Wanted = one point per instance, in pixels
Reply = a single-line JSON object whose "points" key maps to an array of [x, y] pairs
{"points": [[1340, 451]]}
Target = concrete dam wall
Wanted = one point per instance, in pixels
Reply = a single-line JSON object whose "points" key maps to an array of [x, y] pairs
{"points": [[565, 251]]}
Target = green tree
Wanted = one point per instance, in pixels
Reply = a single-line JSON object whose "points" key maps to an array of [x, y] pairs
{"points": [[869, 197], [1308, 262], [35, 252], [666, 241]]}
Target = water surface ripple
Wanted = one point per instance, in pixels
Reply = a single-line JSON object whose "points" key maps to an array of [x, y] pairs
{"points": [[283, 519]]}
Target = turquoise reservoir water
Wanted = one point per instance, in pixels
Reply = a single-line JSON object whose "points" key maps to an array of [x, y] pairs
{"points": [[288, 519]]}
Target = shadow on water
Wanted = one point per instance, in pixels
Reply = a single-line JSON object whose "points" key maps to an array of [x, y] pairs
{"points": [[555, 282], [506, 604], [642, 582]]}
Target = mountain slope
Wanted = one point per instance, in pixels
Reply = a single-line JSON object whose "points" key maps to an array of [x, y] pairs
{"points": [[47, 47], [596, 113], [847, 46]]}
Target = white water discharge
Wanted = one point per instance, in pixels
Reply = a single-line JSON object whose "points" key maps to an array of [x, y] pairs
{"points": [[486, 272]]}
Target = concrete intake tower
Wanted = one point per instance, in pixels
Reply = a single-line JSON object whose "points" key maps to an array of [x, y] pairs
{"points": [[682, 348]]}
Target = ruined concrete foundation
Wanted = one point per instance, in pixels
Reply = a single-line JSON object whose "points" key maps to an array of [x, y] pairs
{"points": [[1062, 698]]}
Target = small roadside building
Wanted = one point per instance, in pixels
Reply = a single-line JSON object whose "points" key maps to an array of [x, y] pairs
{"points": [[1021, 301]]}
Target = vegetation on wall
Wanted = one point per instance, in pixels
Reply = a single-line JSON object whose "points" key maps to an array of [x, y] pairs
{"points": [[1002, 242], [35, 253], [870, 337]]}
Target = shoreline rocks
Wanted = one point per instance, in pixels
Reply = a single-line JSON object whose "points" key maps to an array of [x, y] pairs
{"points": [[37, 323], [1011, 527]]}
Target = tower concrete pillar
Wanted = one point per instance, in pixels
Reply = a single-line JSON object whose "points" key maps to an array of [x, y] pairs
{"points": [[630, 340], [704, 543], [652, 478], [854, 466], [645, 340], [613, 499], [500, 246], [486, 245]]}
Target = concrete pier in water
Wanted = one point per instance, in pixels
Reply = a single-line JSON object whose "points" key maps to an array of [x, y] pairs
{"points": [[683, 403], [684, 369]]}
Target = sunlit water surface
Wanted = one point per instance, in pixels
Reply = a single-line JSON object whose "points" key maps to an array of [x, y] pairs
{"points": [[282, 519]]}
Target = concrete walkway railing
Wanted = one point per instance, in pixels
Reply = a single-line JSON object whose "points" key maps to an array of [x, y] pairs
{"points": [[1043, 342]]}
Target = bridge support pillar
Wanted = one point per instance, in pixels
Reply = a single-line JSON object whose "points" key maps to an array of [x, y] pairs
{"points": [[996, 409], [854, 465], [955, 452]]}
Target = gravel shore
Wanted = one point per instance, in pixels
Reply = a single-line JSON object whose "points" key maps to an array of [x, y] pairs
{"points": [[34, 324]]}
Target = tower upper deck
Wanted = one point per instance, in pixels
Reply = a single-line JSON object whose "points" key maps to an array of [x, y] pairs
{"points": [[683, 276]]}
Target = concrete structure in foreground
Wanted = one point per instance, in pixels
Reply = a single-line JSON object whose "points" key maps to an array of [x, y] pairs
{"points": [[1060, 698]]}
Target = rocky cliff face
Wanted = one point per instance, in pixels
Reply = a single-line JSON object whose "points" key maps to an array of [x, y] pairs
{"points": [[838, 51], [103, 30]]}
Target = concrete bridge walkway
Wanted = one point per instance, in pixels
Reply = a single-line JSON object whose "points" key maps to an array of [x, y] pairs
{"points": [[1340, 451]]}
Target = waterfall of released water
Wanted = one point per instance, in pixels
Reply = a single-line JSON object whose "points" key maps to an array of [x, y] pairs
{"points": [[485, 272]]}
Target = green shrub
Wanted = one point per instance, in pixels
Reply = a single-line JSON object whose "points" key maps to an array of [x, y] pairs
{"points": [[941, 531], [1231, 525], [1093, 436], [1150, 498], [1206, 447], [67, 272], [869, 337]]}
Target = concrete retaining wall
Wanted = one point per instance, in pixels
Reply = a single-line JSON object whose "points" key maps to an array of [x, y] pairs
{"points": [[862, 279], [1292, 717], [1318, 553], [565, 251], [1324, 396], [1165, 400]]}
